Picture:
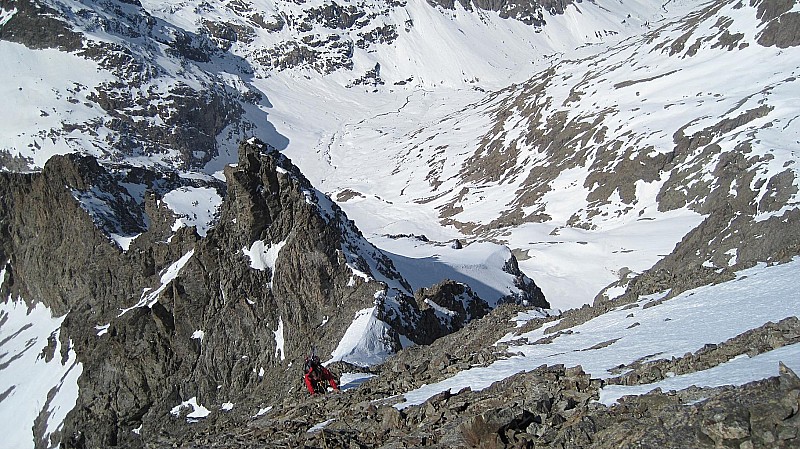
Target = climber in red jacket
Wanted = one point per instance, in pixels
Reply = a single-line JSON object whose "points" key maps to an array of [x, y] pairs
{"points": [[316, 376]]}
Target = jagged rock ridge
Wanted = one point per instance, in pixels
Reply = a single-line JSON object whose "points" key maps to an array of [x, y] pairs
{"points": [[224, 318]]}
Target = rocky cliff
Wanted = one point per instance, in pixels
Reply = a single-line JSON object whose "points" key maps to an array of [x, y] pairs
{"points": [[225, 318]]}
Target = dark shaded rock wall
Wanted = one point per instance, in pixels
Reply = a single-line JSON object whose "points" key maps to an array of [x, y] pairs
{"points": [[177, 316]]}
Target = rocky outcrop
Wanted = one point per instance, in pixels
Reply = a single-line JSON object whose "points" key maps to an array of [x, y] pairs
{"points": [[178, 318], [528, 12], [529, 293], [548, 407], [181, 119], [37, 25], [766, 338], [782, 26]]}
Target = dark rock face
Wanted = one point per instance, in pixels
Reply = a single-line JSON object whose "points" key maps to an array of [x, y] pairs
{"points": [[782, 32], [530, 293], [151, 111], [37, 25], [225, 318], [449, 305], [528, 12]]}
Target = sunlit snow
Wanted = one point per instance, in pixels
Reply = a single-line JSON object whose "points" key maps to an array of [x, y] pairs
{"points": [[168, 275], [348, 381], [194, 206], [262, 411], [280, 351], [738, 371], [366, 342], [197, 410], [27, 381], [264, 256], [710, 314]]}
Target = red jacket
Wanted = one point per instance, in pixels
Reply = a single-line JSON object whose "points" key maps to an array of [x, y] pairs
{"points": [[312, 375]]}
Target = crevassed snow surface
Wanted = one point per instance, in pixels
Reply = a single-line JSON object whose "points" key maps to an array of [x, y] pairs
{"points": [[26, 379], [710, 314]]}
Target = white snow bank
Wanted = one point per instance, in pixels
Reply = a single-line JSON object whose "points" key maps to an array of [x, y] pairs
{"points": [[26, 379], [6, 15], [479, 265], [366, 342], [738, 371], [193, 206], [198, 411], [348, 381], [319, 426], [279, 340], [168, 275], [263, 256], [528, 315], [262, 411], [102, 329], [709, 314]]}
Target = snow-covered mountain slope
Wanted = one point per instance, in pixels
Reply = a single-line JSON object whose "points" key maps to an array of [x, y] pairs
{"points": [[595, 168], [175, 83], [381, 103], [650, 330], [39, 375], [619, 150]]}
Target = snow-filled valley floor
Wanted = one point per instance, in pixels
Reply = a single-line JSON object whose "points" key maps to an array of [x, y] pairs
{"points": [[396, 159]]}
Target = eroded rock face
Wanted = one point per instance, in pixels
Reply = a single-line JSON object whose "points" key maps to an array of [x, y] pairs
{"points": [[782, 26], [225, 318], [527, 12]]}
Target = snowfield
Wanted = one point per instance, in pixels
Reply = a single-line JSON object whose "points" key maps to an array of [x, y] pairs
{"points": [[710, 314], [32, 385]]}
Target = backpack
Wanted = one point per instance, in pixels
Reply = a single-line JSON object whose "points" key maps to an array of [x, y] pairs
{"points": [[318, 378]]}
